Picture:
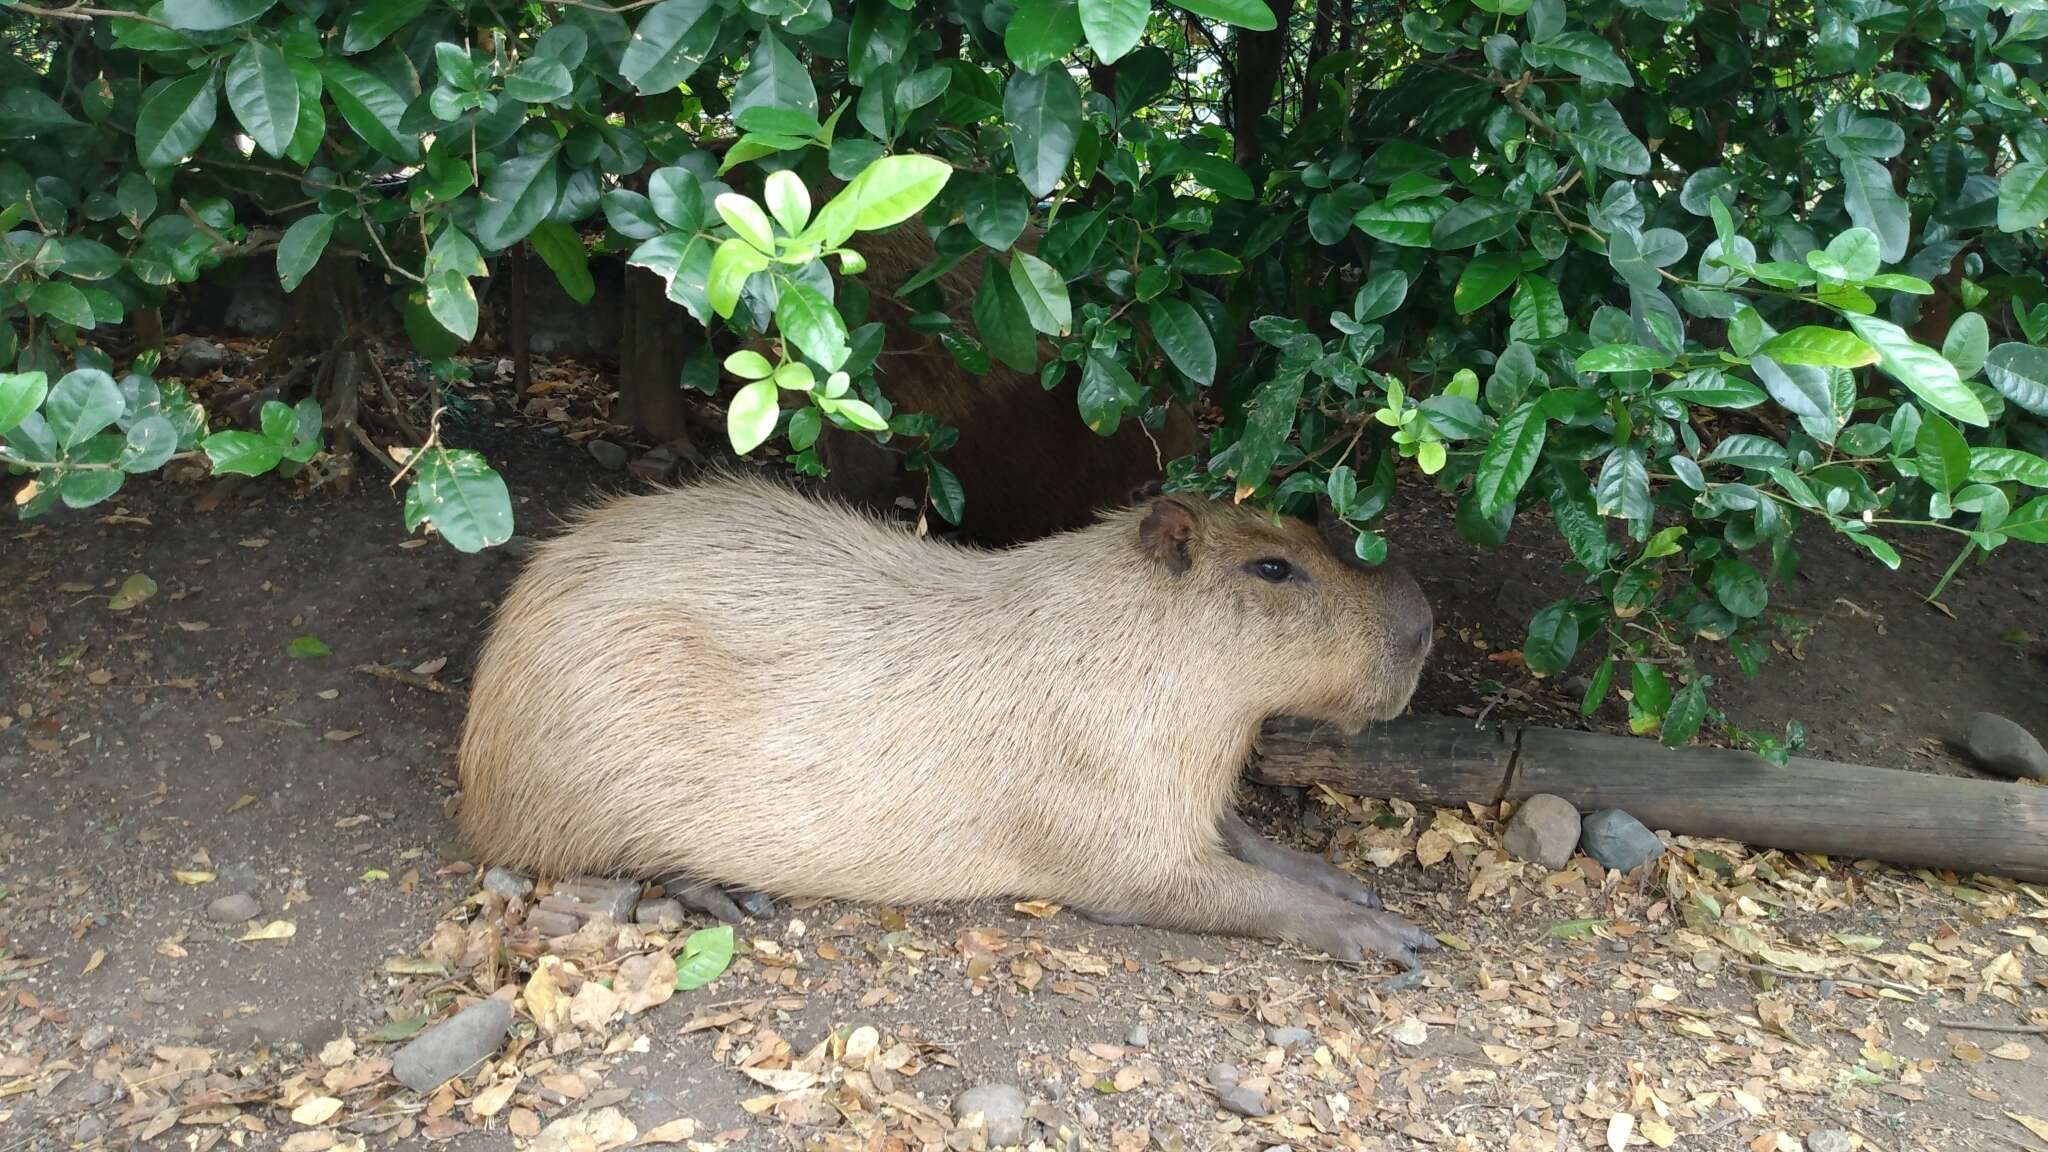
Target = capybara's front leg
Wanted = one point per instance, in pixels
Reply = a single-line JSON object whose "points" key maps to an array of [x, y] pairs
{"points": [[1221, 894], [1245, 843]]}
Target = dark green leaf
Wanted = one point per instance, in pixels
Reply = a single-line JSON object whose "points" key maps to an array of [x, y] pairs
{"points": [[517, 195], [1043, 293], [300, 248], [671, 42], [1510, 458], [1739, 587], [372, 107], [809, 321], [1041, 32], [265, 95], [1486, 276], [1745, 450], [1251, 15], [242, 453], [1471, 222], [996, 209], [1179, 331], [1943, 454], [212, 15], [465, 500], [21, 393], [1043, 113], [1623, 489], [1114, 27], [374, 20], [1687, 712], [559, 246], [1921, 369], [175, 118], [1582, 54], [2020, 374], [1553, 639], [81, 405], [2023, 196], [775, 78], [1714, 388]]}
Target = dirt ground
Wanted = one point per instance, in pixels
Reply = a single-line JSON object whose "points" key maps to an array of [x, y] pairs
{"points": [[158, 755]]}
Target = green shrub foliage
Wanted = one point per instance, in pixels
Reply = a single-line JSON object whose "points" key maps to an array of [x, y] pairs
{"points": [[1687, 276]]}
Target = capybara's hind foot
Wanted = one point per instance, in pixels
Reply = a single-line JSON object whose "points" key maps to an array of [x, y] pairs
{"points": [[726, 905]]}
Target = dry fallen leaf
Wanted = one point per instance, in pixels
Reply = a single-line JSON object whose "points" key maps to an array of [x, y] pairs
{"points": [[597, 1131], [645, 981], [543, 997], [275, 930], [99, 957], [335, 1053], [2012, 1050], [2034, 1124], [193, 877], [431, 666], [1657, 1132], [674, 1132], [1619, 1126], [315, 1112], [240, 803], [343, 735], [1041, 909]]}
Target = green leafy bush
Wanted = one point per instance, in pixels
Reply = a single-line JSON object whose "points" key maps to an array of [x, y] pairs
{"points": [[1686, 277]]}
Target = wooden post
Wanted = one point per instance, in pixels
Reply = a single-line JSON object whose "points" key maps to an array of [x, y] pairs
{"points": [[1835, 809], [1846, 810]]}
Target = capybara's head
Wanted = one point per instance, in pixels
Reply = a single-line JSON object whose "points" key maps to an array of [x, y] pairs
{"points": [[1342, 641]]}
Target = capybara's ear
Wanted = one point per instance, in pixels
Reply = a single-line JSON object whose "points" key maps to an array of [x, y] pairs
{"points": [[1167, 533], [1149, 490]]}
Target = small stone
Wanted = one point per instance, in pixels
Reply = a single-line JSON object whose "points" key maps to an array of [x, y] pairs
{"points": [[507, 883], [96, 1037], [1826, 989], [1618, 841], [551, 923], [1706, 961], [1001, 1107], [2001, 746], [234, 909], [1139, 1037], [1289, 1037], [1544, 830], [608, 454], [1827, 1140], [1227, 1080], [88, 1129], [659, 913], [199, 357], [453, 1047]]}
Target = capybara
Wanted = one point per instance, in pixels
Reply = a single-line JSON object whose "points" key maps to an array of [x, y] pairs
{"points": [[1029, 464], [761, 691]]}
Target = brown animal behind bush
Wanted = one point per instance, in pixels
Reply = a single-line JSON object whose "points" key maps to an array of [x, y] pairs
{"points": [[760, 691], [1030, 465]]}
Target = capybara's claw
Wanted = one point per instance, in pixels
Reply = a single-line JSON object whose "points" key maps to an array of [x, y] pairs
{"points": [[709, 899]]}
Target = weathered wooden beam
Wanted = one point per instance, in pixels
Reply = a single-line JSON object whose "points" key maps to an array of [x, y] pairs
{"points": [[1426, 759], [1835, 809]]}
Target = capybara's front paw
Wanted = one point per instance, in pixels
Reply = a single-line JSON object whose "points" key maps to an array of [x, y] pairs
{"points": [[1363, 931]]}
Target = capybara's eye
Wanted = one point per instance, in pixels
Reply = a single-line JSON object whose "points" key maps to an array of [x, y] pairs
{"points": [[1272, 568]]}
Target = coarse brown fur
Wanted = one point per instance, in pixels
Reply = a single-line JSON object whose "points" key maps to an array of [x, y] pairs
{"points": [[760, 690], [1028, 462]]}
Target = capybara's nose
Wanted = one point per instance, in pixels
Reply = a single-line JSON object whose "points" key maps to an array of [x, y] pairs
{"points": [[1414, 623]]}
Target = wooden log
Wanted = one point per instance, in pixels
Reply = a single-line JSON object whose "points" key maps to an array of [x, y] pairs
{"points": [[1835, 809], [1819, 806], [1428, 759]]}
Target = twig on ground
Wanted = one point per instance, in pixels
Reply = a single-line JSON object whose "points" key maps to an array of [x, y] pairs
{"points": [[1816, 977], [1994, 1026]]}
